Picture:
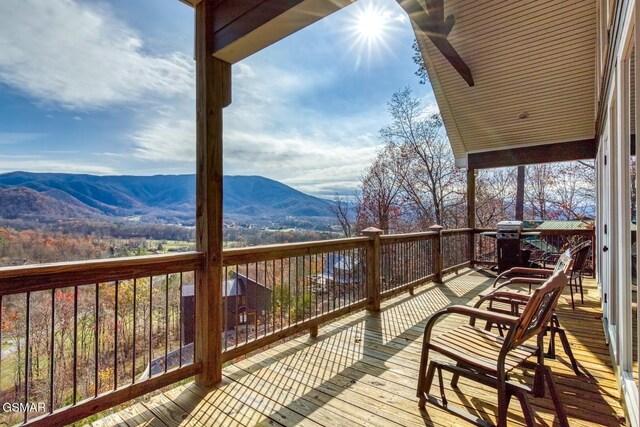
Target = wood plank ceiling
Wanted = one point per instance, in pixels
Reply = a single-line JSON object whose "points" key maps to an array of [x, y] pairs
{"points": [[535, 58]]}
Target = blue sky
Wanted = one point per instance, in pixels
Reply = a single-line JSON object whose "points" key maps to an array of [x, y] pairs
{"points": [[107, 87]]}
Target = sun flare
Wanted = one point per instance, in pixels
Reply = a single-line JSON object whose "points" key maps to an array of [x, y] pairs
{"points": [[371, 23], [370, 29]]}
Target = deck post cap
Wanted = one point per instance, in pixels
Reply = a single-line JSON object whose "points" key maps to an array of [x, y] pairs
{"points": [[371, 230]]}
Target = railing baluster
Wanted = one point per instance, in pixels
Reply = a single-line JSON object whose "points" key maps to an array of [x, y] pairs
{"points": [[313, 269], [258, 303], [236, 290], [135, 327], [166, 324], [151, 323], [180, 323], [299, 299], [1, 342], [75, 345], [304, 287], [53, 341], [115, 337], [95, 341], [27, 355], [289, 290], [273, 294], [281, 293], [247, 305], [225, 308]]}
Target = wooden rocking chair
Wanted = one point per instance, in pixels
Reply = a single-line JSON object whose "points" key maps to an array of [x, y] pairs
{"points": [[487, 358]]}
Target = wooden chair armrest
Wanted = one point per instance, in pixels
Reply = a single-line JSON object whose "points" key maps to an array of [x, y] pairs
{"points": [[525, 280], [511, 296], [532, 271], [541, 272], [478, 313], [506, 296]]}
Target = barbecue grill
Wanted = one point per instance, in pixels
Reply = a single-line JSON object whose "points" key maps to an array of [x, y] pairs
{"points": [[508, 235]]}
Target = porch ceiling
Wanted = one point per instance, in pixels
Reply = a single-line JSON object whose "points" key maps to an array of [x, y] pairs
{"points": [[525, 57]]}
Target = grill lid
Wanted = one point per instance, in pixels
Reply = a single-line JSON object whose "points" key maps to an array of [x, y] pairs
{"points": [[510, 226]]}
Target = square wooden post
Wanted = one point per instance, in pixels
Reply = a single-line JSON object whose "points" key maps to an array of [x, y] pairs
{"points": [[471, 213], [374, 282], [438, 264], [213, 93]]}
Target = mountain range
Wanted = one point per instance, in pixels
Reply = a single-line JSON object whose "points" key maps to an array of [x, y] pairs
{"points": [[166, 198]]}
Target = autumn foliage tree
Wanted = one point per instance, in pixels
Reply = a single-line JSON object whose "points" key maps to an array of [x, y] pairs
{"points": [[432, 187], [379, 202], [413, 181]]}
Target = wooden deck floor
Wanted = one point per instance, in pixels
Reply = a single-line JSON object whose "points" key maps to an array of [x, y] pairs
{"points": [[362, 369]]}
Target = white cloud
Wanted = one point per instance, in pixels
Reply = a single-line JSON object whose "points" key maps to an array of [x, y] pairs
{"points": [[279, 124], [166, 139], [268, 132], [18, 137], [38, 164], [80, 56]]}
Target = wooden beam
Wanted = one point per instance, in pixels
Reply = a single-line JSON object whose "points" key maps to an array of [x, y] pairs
{"points": [[213, 88], [191, 3], [437, 28], [234, 20], [243, 28], [546, 153]]}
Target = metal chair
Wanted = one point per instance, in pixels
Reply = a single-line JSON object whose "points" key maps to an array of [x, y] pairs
{"points": [[487, 358]]}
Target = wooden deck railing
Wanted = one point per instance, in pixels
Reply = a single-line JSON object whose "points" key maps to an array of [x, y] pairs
{"points": [[86, 336], [83, 336], [407, 260], [548, 241], [275, 291], [456, 249]]}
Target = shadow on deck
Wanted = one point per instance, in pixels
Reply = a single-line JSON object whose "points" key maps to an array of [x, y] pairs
{"points": [[362, 370]]}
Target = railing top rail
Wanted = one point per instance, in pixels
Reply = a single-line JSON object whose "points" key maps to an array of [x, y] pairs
{"points": [[388, 238], [483, 229], [457, 231], [578, 232], [543, 232], [31, 278], [286, 250]]}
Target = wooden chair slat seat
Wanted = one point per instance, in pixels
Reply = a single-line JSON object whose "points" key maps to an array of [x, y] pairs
{"points": [[479, 348]]}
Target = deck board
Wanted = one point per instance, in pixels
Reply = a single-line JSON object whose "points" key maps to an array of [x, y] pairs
{"points": [[362, 370]]}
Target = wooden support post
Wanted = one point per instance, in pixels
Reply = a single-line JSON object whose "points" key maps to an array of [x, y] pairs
{"points": [[374, 282], [213, 92], [520, 193], [471, 213], [313, 331], [438, 264]]}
